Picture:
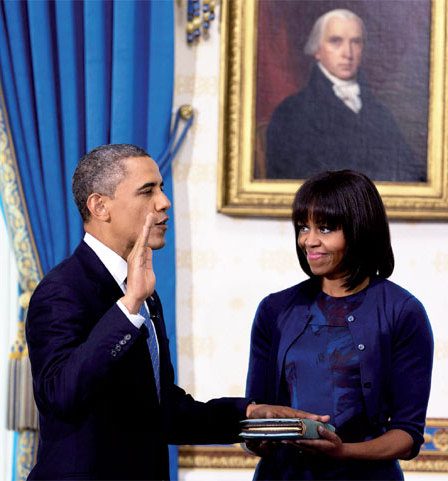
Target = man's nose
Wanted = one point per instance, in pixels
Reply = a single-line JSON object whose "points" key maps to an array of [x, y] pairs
{"points": [[162, 203], [347, 50]]}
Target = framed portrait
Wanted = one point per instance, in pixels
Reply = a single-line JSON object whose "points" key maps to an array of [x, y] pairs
{"points": [[284, 113]]}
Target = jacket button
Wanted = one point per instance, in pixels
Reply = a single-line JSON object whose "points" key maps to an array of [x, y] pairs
{"points": [[127, 337], [367, 384], [113, 353], [361, 347], [118, 347], [350, 318], [123, 342]]}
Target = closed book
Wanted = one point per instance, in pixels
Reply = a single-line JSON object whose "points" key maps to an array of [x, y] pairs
{"points": [[282, 428]]}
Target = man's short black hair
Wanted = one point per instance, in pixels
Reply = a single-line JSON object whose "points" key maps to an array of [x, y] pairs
{"points": [[348, 200], [100, 171]]}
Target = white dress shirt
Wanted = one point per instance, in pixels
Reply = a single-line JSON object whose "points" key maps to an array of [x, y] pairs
{"points": [[118, 269]]}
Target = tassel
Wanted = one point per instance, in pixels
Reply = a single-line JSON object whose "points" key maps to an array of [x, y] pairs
{"points": [[22, 412], [194, 21]]}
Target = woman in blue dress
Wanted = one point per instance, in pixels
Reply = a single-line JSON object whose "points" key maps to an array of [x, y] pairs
{"points": [[347, 343]]}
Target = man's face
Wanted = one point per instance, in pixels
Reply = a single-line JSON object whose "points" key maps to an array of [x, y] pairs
{"points": [[340, 50], [140, 192]]}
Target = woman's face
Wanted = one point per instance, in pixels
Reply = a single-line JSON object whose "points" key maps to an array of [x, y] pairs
{"points": [[324, 249]]}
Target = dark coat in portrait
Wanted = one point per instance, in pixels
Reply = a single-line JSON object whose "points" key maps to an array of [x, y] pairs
{"points": [[313, 130]]}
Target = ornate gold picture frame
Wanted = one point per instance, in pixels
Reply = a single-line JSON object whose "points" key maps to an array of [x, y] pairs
{"points": [[241, 192]]}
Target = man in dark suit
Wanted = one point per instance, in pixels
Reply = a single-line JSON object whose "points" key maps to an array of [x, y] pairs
{"points": [[335, 122], [103, 379]]}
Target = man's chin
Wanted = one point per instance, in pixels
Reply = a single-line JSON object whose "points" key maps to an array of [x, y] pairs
{"points": [[347, 76], [156, 244]]}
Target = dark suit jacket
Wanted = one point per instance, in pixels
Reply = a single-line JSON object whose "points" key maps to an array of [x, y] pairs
{"points": [[314, 131], [94, 386]]}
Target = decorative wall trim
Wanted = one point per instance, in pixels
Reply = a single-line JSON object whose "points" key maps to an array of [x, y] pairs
{"points": [[432, 458]]}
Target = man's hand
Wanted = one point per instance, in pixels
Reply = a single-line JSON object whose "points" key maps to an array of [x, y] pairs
{"points": [[254, 411], [141, 280]]}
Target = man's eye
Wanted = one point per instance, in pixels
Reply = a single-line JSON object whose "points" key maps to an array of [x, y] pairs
{"points": [[335, 41]]}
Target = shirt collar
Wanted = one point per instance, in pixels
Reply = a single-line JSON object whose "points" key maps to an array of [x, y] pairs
{"points": [[116, 265]]}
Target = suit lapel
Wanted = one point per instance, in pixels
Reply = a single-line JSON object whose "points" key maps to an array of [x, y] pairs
{"points": [[106, 289], [107, 292]]}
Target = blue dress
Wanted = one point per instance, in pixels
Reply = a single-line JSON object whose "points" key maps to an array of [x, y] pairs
{"points": [[322, 375]]}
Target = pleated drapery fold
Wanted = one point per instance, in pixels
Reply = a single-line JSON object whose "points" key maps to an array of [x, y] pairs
{"points": [[75, 75]]}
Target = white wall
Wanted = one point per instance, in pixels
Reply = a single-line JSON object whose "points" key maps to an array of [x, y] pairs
{"points": [[227, 264], [8, 322]]}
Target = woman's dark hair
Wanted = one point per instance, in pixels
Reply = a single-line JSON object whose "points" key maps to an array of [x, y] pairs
{"points": [[349, 200]]}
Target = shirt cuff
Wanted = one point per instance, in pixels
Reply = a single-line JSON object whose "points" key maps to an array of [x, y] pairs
{"points": [[136, 319]]}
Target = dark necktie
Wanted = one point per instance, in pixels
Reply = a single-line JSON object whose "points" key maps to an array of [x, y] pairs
{"points": [[153, 348]]}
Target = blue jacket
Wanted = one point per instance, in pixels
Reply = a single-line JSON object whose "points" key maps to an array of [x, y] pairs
{"points": [[395, 347]]}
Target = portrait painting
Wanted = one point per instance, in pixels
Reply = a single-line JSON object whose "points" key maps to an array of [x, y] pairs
{"points": [[309, 86], [343, 84]]}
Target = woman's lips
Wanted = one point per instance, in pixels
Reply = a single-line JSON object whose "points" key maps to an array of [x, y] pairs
{"points": [[314, 256]]}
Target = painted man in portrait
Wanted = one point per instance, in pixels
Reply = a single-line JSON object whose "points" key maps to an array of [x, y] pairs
{"points": [[336, 122]]}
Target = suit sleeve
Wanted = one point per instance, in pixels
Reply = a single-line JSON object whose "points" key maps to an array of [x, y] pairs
{"points": [[72, 351], [412, 359], [193, 422], [212, 422]]}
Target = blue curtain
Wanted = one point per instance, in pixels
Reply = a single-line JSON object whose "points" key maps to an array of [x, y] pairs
{"points": [[75, 75]]}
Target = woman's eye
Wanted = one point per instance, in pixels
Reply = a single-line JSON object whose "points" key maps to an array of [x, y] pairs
{"points": [[324, 229], [302, 228]]}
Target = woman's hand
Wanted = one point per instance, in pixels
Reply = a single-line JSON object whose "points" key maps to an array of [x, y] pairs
{"points": [[393, 444], [329, 444], [264, 448], [258, 447]]}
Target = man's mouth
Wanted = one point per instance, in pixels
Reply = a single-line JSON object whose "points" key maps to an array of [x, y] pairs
{"points": [[162, 222]]}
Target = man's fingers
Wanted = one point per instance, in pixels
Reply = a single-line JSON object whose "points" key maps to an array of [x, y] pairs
{"points": [[149, 222], [271, 411]]}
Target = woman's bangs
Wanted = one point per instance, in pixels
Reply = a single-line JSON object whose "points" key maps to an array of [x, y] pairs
{"points": [[321, 210]]}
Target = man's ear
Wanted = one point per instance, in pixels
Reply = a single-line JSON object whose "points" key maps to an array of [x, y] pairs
{"points": [[97, 207]]}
